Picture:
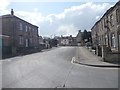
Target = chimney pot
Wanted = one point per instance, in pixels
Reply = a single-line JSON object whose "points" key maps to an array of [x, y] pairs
{"points": [[12, 12]]}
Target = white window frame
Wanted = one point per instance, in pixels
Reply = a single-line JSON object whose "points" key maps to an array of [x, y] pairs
{"points": [[26, 28], [21, 26], [106, 39], [29, 28], [112, 20], [20, 40], [113, 41], [26, 42]]}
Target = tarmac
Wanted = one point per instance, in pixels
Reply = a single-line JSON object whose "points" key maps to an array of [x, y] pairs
{"points": [[86, 57]]}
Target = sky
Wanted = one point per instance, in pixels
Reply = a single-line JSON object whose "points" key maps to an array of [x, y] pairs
{"points": [[58, 17]]}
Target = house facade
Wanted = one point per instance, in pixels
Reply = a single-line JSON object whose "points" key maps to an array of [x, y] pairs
{"points": [[79, 39], [67, 41], [106, 31], [17, 34]]}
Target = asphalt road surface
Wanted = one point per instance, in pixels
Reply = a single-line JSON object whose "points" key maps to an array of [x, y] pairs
{"points": [[53, 68]]}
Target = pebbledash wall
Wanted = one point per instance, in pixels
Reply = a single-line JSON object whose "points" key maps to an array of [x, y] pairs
{"points": [[18, 35], [106, 33]]}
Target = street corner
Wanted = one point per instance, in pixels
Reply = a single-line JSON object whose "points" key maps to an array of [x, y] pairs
{"points": [[75, 60]]}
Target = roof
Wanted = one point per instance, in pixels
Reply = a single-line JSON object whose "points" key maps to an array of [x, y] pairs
{"points": [[95, 24], [9, 15], [106, 13], [64, 37], [67, 37], [109, 10]]}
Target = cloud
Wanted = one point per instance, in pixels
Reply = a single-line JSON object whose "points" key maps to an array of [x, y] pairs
{"points": [[75, 18], [66, 23], [34, 17], [3, 6], [67, 30], [97, 17]]}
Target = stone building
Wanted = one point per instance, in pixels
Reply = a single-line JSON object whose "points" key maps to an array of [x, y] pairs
{"points": [[79, 38], [106, 31], [17, 34], [67, 41]]}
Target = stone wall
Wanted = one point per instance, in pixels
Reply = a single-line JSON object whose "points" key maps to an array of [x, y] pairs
{"points": [[112, 57]]}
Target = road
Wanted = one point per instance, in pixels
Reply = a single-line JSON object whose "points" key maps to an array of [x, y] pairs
{"points": [[53, 68]]}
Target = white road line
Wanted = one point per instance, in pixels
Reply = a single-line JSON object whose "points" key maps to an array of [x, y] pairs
{"points": [[73, 60]]}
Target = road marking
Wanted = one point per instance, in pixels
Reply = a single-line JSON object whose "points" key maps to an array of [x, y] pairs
{"points": [[73, 60]]}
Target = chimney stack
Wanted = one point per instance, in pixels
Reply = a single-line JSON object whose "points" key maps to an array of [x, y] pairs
{"points": [[79, 31], [12, 12]]}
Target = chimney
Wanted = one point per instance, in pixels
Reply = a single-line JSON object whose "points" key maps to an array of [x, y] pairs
{"points": [[79, 31], [12, 12]]}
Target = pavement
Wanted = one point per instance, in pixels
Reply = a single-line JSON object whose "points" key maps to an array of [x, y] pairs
{"points": [[85, 57]]}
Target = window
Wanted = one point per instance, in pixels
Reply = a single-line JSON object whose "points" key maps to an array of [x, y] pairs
{"points": [[33, 29], [31, 40], [104, 22], [21, 26], [21, 40], [101, 25], [99, 40], [102, 41], [26, 28], [106, 40], [113, 40], [117, 16], [119, 41], [26, 42], [112, 20], [29, 28]]}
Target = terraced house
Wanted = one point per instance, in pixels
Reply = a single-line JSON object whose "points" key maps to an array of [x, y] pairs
{"points": [[18, 35], [106, 33]]}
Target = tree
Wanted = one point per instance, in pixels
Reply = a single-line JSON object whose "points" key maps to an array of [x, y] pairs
{"points": [[54, 42], [86, 36]]}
